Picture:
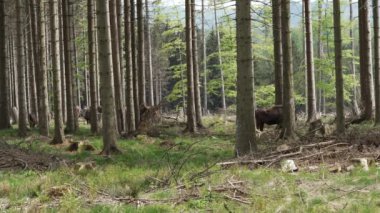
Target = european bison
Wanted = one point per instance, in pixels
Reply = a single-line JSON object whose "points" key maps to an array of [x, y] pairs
{"points": [[269, 116], [32, 120], [87, 114]]}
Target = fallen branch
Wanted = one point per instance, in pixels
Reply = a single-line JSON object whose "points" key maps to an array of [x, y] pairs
{"points": [[237, 199], [242, 162]]}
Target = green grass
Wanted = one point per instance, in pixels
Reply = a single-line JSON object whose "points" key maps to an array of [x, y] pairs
{"points": [[144, 164]]}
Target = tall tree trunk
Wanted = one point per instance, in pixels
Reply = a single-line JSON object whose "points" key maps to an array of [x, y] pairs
{"points": [[245, 99], [352, 64], [75, 75], [322, 78], [365, 64], [338, 69], [85, 92], [15, 75], [116, 65], [141, 55], [119, 17], [134, 64], [4, 96], [376, 30], [11, 75], [41, 68], [319, 55], [148, 48], [311, 102], [70, 123], [288, 102], [96, 60], [304, 64], [130, 118], [224, 106], [26, 67], [194, 44], [106, 78], [32, 70], [204, 62], [54, 38], [277, 48], [62, 63], [91, 61], [23, 122], [191, 119]]}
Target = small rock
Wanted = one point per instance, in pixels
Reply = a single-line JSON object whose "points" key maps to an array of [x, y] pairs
{"points": [[282, 148], [362, 162], [336, 168], [81, 166], [289, 166], [350, 168], [4, 204], [57, 191]]}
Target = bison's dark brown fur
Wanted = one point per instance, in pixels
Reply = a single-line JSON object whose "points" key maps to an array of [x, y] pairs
{"points": [[32, 120], [269, 116]]}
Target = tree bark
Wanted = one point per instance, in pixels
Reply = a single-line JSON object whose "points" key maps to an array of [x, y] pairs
{"points": [[319, 55], [22, 109], [197, 92], [62, 63], [365, 63], [42, 89], [338, 69], [14, 74], [54, 38], [119, 18], [129, 69], [352, 64], [277, 49], [106, 78], [26, 66], [91, 63], [148, 48], [75, 75], [31, 59], [204, 59], [191, 119], [288, 102], [311, 101], [245, 99], [116, 65], [4, 95], [12, 80], [134, 64], [70, 123], [141, 55], [376, 14], [305, 55], [224, 106]]}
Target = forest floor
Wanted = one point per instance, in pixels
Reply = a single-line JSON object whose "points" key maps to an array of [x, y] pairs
{"points": [[176, 172]]}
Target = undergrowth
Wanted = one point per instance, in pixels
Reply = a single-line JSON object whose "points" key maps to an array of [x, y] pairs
{"points": [[177, 173]]}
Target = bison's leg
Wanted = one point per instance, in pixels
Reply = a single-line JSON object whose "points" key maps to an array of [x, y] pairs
{"points": [[261, 126]]}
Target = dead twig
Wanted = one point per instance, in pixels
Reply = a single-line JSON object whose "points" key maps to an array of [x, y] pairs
{"points": [[237, 199], [349, 192]]}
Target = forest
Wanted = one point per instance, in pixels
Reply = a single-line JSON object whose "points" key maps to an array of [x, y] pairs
{"points": [[189, 106]]}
